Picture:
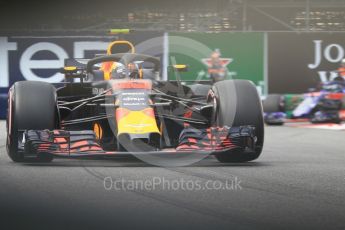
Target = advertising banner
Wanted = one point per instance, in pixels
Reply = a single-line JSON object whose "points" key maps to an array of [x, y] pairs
{"points": [[299, 61], [241, 54], [39, 58]]}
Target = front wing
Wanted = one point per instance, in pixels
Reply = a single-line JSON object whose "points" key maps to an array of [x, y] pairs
{"points": [[62, 143]]}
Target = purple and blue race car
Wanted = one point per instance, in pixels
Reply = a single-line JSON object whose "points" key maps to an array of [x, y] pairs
{"points": [[325, 105]]}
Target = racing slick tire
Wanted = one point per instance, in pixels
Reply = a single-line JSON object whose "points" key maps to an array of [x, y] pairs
{"points": [[32, 106], [273, 103], [238, 104]]}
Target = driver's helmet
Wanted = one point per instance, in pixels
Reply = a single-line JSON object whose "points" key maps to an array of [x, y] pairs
{"points": [[121, 71], [133, 70]]}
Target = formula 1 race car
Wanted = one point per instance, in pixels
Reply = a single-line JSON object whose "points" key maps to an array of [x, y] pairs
{"points": [[326, 105], [120, 106]]}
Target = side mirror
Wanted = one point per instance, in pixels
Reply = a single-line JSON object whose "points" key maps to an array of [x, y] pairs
{"points": [[68, 70], [73, 72], [178, 68]]}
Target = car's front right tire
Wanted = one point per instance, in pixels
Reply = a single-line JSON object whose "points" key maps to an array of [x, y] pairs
{"points": [[31, 106]]}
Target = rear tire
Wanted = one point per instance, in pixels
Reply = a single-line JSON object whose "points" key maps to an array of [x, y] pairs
{"points": [[273, 103], [32, 106], [238, 104]]}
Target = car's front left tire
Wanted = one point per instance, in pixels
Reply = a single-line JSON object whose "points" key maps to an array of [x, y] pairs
{"points": [[238, 104]]}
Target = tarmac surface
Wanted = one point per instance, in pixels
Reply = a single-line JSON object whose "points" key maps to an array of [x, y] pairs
{"points": [[297, 183]]}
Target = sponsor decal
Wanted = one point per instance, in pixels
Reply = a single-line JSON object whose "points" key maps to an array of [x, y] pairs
{"points": [[223, 63], [310, 59], [40, 59], [331, 53]]}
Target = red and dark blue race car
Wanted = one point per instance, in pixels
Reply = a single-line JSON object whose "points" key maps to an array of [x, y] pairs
{"points": [[323, 105], [120, 106]]}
